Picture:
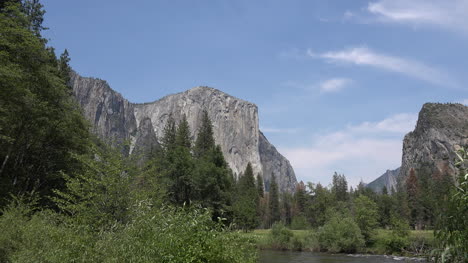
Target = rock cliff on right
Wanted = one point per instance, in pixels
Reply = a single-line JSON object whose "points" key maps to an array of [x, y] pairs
{"points": [[441, 130]]}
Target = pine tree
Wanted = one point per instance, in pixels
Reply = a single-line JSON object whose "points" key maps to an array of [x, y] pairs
{"points": [[340, 187], [205, 140], [64, 67], [274, 207], [182, 138], [260, 185], [169, 135], [245, 206]]}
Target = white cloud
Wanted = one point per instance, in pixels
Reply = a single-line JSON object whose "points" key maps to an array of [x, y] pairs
{"points": [[448, 14], [363, 56], [278, 130], [334, 85], [464, 102], [363, 151], [399, 123]]}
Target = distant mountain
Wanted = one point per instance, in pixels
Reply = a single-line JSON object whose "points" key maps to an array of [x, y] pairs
{"points": [[235, 125], [388, 179], [440, 131]]}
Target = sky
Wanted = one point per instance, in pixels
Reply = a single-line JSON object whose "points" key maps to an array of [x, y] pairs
{"points": [[338, 83]]}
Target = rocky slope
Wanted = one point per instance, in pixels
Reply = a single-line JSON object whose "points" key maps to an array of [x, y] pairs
{"points": [[235, 124], [388, 179], [441, 130]]}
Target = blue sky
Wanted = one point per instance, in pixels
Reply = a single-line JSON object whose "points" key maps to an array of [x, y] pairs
{"points": [[337, 83]]}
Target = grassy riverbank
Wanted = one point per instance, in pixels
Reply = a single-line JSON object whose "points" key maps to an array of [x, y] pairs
{"points": [[418, 243]]}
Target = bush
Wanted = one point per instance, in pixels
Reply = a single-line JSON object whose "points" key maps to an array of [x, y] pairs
{"points": [[398, 239], [154, 235], [340, 235], [280, 236]]}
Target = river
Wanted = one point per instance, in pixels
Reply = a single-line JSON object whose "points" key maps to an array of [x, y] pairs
{"points": [[269, 256]]}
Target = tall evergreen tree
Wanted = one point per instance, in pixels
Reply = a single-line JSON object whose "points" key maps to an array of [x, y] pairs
{"points": [[260, 185], [274, 206], [34, 11], [205, 140], [64, 67], [340, 187], [182, 138], [169, 135], [245, 206]]}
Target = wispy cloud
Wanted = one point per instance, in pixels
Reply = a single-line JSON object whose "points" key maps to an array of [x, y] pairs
{"points": [[363, 151], [399, 123], [278, 130], [334, 85], [448, 14], [363, 56]]}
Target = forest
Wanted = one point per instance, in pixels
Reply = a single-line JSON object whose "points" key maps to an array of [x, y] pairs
{"points": [[66, 196]]}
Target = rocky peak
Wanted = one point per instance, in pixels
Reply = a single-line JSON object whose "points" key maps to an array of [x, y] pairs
{"points": [[440, 131], [235, 124]]}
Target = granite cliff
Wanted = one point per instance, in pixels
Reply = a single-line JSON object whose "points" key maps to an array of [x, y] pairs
{"points": [[388, 179], [440, 131], [235, 125]]}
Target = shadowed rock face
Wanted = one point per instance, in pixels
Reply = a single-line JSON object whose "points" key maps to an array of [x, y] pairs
{"points": [[235, 124], [388, 179], [112, 116], [440, 131]]}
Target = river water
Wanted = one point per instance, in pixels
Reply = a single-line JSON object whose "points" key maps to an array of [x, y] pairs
{"points": [[269, 256]]}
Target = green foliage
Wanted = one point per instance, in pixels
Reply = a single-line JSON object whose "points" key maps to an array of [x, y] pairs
{"points": [[205, 140], [321, 199], [340, 234], [41, 127], [99, 195], [300, 223], [366, 215], [246, 201], [452, 230], [260, 185], [153, 235], [398, 240], [280, 236], [340, 187], [273, 197]]}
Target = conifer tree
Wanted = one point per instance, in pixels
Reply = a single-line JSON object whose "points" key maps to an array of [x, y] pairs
{"points": [[64, 67], [169, 135], [205, 140], [182, 138], [245, 207], [260, 185], [273, 205]]}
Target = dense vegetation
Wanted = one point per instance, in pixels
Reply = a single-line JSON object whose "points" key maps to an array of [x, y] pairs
{"points": [[66, 196]]}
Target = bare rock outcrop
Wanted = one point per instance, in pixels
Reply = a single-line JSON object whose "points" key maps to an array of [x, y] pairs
{"points": [[440, 131], [235, 125]]}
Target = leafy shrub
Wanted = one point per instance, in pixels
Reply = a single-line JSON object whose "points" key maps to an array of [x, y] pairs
{"points": [[340, 235], [154, 235], [280, 236], [398, 239]]}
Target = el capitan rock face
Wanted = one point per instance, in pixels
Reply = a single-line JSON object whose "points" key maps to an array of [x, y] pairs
{"points": [[235, 124], [440, 131]]}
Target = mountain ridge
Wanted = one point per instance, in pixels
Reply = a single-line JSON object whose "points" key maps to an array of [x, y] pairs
{"points": [[235, 124]]}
